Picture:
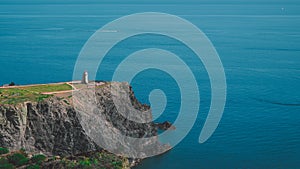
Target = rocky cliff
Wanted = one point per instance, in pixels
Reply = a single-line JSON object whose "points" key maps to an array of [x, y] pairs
{"points": [[58, 125]]}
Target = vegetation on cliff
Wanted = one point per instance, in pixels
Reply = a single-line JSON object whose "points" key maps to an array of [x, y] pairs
{"points": [[99, 159], [19, 94]]}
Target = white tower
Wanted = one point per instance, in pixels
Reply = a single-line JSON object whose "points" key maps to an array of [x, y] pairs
{"points": [[85, 78]]}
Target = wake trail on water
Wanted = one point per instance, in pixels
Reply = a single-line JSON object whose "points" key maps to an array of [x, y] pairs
{"points": [[276, 103]]}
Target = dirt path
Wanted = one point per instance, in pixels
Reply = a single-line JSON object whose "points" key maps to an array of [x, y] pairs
{"points": [[71, 84], [7, 87], [64, 91], [59, 92], [74, 88]]}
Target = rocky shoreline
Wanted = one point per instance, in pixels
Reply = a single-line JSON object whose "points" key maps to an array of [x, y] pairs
{"points": [[53, 126]]}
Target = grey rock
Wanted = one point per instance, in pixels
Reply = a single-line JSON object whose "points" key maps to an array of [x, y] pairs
{"points": [[55, 128]]}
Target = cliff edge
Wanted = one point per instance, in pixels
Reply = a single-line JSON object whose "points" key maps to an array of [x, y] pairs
{"points": [[54, 126]]}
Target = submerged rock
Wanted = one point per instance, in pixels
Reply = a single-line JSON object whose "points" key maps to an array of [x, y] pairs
{"points": [[165, 126]]}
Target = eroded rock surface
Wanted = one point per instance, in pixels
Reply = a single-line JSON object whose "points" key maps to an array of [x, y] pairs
{"points": [[69, 126]]}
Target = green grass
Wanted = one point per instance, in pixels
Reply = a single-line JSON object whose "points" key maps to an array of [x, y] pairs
{"points": [[30, 93], [48, 88]]}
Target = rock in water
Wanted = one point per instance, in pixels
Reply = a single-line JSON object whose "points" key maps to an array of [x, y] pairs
{"points": [[165, 126]]}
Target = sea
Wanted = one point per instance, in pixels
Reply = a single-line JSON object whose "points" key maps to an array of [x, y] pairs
{"points": [[258, 43]]}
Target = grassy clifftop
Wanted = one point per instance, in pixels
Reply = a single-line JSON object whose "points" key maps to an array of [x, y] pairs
{"points": [[19, 94]]}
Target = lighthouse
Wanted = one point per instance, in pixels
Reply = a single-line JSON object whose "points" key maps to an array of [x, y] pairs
{"points": [[85, 78]]}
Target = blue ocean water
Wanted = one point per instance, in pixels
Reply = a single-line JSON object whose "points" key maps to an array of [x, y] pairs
{"points": [[258, 43]]}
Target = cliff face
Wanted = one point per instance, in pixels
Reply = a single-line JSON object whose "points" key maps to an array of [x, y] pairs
{"points": [[49, 126], [54, 126]]}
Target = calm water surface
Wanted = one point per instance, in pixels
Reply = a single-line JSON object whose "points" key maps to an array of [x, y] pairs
{"points": [[259, 45]]}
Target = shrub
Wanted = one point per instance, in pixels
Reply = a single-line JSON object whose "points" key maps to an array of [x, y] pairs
{"points": [[3, 161], [18, 159], [35, 166], [95, 161], [117, 164], [6, 166], [3, 150], [38, 158], [84, 163], [23, 161], [12, 84]]}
